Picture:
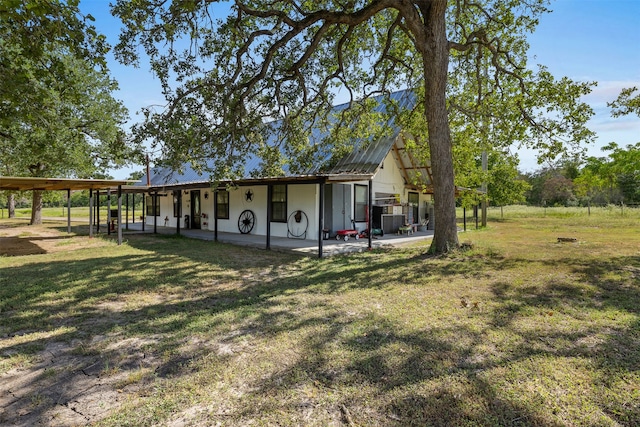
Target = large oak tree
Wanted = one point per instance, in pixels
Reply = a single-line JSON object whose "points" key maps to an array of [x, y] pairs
{"points": [[57, 113], [227, 68]]}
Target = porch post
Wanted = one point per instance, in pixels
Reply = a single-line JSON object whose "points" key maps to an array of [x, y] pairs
{"points": [[155, 214], [320, 217], [97, 211], [133, 214], [464, 218], [90, 212], [108, 211], [269, 195], [144, 211], [369, 207], [69, 210], [119, 222], [215, 215], [475, 214], [126, 219], [179, 212]]}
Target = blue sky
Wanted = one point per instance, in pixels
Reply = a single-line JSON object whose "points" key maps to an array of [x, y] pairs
{"points": [[586, 40], [593, 40]]}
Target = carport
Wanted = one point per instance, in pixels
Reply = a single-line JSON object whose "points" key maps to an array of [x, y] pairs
{"points": [[11, 183]]}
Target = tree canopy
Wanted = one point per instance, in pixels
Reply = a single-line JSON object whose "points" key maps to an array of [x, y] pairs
{"points": [[58, 116], [36, 36], [628, 102], [229, 67]]}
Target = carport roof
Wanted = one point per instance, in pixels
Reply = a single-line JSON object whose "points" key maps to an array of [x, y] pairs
{"points": [[14, 183]]}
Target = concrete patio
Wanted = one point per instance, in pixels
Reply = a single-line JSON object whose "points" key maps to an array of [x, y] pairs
{"points": [[307, 247]]}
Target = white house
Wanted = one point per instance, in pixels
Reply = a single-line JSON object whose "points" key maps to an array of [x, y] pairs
{"points": [[379, 186]]}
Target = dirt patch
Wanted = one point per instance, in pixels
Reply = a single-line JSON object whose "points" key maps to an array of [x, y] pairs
{"points": [[66, 387]]}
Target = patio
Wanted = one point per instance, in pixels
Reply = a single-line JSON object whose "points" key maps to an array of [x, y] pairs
{"points": [[307, 247]]}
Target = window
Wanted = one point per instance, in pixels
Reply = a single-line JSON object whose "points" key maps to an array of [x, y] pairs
{"points": [[361, 193], [222, 202], [279, 203], [151, 206]]}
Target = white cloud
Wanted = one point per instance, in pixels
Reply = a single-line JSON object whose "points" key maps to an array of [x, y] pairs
{"points": [[607, 91]]}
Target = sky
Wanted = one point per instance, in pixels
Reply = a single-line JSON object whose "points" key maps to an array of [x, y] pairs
{"points": [[585, 40]]}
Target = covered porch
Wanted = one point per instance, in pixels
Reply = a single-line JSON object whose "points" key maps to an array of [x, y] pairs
{"points": [[306, 247]]}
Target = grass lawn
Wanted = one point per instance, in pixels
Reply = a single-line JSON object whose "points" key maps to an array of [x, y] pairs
{"points": [[519, 330], [76, 212]]}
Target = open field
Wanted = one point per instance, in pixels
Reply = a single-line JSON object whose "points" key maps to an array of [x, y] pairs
{"points": [[76, 212], [519, 330]]}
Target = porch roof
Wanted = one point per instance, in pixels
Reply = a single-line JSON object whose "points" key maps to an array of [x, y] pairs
{"points": [[14, 183]]}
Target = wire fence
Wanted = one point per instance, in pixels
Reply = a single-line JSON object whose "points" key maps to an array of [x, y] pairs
{"points": [[471, 218]]}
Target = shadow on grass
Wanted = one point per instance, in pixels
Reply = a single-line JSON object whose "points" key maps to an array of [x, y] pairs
{"points": [[432, 376], [19, 246], [392, 363]]}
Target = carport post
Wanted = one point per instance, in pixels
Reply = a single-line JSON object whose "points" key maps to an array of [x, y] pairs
{"points": [[144, 211], [108, 212], [475, 213], [97, 211], [69, 210], [119, 214], [155, 213], [90, 213], [464, 218], [126, 220], [320, 217]]}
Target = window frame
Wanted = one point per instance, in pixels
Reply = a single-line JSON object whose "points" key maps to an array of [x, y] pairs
{"points": [[281, 203], [222, 213], [150, 206], [364, 204]]}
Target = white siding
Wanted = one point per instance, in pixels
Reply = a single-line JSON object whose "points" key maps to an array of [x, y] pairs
{"points": [[302, 197], [389, 179]]}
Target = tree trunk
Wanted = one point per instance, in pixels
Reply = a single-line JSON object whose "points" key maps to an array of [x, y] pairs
{"points": [[36, 208], [435, 63], [11, 205]]}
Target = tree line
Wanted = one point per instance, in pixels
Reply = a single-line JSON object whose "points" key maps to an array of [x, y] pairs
{"points": [[611, 179], [58, 199]]}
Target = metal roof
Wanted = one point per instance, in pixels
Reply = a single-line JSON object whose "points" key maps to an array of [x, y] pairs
{"points": [[361, 164], [14, 183], [365, 160]]}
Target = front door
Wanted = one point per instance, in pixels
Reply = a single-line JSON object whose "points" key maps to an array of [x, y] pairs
{"points": [[195, 209]]}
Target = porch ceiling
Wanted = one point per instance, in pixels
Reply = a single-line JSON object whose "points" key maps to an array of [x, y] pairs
{"points": [[415, 174]]}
